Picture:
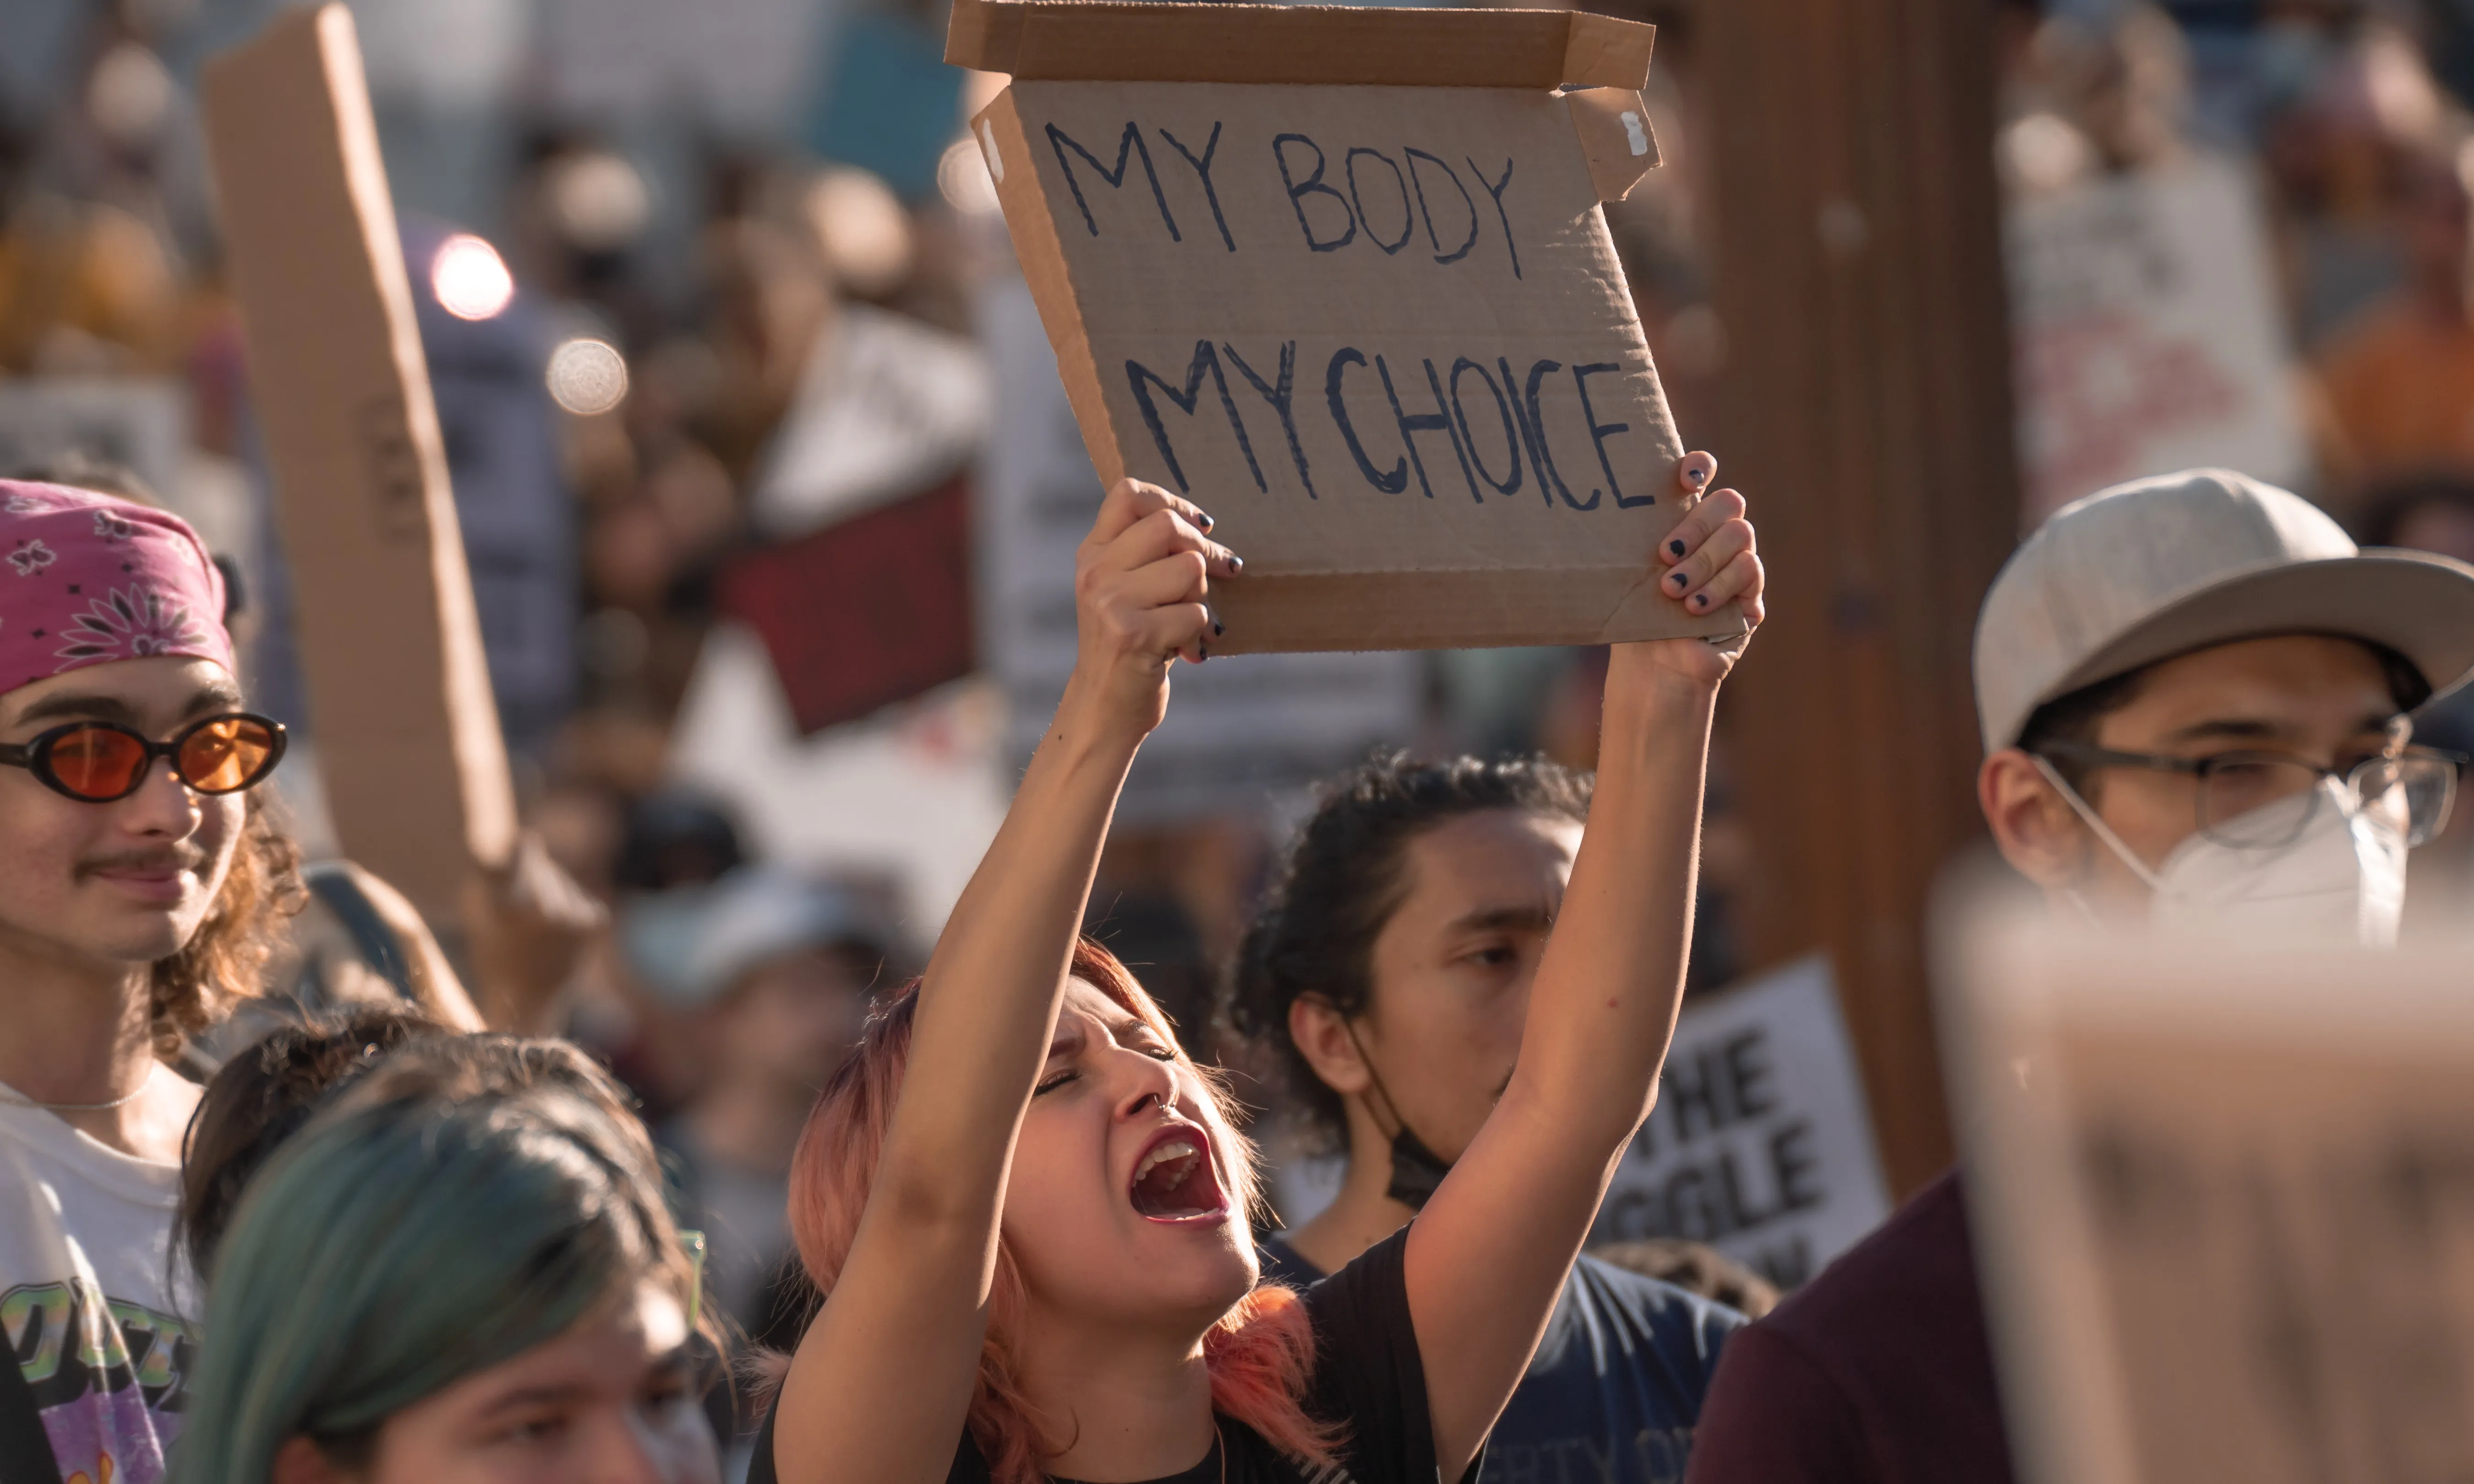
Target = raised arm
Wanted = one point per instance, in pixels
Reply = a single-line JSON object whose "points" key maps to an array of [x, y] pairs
{"points": [[1489, 1251], [878, 1389]]}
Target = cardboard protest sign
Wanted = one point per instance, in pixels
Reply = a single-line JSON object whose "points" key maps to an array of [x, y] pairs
{"points": [[2148, 334], [1760, 1144], [416, 773], [1242, 731], [2223, 1196], [1342, 276]]}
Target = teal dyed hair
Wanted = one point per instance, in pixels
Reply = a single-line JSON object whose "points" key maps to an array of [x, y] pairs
{"points": [[391, 1248]]}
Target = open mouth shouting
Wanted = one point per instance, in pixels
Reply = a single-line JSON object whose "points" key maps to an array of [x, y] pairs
{"points": [[1173, 1180]]}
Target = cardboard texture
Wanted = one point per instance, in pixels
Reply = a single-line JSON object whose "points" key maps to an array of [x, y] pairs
{"points": [[2223, 1198], [415, 770], [1374, 326], [866, 612]]}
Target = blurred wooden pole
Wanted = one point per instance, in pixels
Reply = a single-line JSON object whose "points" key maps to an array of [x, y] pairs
{"points": [[1865, 407]]}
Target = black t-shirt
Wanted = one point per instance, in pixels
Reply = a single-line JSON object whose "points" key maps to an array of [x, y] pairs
{"points": [[1367, 1377], [1613, 1393]]}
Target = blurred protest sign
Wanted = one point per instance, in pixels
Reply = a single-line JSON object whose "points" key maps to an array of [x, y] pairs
{"points": [[916, 789], [865, 612], [862, 595], [1240, 732], [1341, 276], [885, 407], [2223, 1202], [2148, 334], [1760, 1144], [415, 771]]}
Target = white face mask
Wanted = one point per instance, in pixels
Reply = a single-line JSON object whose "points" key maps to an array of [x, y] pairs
{"points": [[2342, 879]]}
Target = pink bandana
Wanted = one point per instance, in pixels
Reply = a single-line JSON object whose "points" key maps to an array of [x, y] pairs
{"points": [[88, 578]]}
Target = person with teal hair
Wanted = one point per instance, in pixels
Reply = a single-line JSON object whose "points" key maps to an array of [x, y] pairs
{"points": [[456, 1289]]}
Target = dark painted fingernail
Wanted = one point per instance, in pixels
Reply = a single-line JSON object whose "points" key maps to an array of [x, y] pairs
{"points": [[1675, 546], [1201, 652], [1207, 521], [1696, 474], [1218, 628], [1236, 564], [1700, 599], [1679, 579]]}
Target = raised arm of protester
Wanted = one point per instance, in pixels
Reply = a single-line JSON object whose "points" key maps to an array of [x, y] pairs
{"points": [[1487, 1254], [1026, 1208], [881, 1383]]}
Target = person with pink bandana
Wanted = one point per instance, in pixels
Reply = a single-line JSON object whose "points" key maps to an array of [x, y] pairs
{"points": [[139, 883]]}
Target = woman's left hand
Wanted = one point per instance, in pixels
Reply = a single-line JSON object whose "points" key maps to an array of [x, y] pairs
{"points": [[1709, 561]]}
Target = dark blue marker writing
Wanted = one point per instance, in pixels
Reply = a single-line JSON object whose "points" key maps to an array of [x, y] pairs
{"points": [[1342, 359], [1419, 181], [1408, 224], [1282, 396], [1132, 141], [1143, 378], [1495, 190], [1503, 410], [1313, 185], [1437, 420], [1598, 432], [1202, 168], [1533, 425]]}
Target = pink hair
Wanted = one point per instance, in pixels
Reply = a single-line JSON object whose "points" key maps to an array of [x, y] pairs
{"points": [[1260, 1353]]}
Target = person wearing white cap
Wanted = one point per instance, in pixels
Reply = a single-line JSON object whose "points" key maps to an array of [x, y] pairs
{"points": [[771, 974], [2196, 697]]}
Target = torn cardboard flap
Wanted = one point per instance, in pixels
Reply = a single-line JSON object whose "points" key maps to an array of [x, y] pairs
{"points": [[1378, 329], [1612, 124], [415, 770]]}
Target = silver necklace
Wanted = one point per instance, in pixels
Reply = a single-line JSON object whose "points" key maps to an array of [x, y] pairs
{"points": [[11, 1095]]}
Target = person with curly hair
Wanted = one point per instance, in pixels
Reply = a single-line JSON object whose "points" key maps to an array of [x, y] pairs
{"points": [[142, 884]]}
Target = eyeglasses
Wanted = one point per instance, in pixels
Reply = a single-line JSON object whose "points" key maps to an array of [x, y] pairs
{"points": [[97, 762], [2410, 791]]}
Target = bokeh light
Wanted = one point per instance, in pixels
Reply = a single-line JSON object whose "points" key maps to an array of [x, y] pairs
{"points": [[598, 202], [861, 228], [587, 376], [962, 177], [470, 279]]}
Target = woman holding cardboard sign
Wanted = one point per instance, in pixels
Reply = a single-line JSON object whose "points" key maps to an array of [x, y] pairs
{"points": [[1028, 1211]]}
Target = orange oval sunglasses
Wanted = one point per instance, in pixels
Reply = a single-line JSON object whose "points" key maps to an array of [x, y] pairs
{"points": [[98, 762]]}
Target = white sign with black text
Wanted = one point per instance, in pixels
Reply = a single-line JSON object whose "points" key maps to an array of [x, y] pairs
{"points": [[1760, 1144]]}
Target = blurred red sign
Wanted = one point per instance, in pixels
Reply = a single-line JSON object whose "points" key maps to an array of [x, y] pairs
{"points": [[866, 612]]}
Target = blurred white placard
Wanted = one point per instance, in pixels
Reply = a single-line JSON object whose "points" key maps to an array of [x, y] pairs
{"points": [[885, 407], [2145, 332], [1760, 1144], [2223, 1202], [913, 793], [1242, 730]]}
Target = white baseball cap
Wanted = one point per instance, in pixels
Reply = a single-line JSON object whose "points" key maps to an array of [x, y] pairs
{"points": [[2156, 567]]}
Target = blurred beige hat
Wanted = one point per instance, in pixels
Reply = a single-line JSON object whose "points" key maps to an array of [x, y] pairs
{"points": [[2146, 571]]}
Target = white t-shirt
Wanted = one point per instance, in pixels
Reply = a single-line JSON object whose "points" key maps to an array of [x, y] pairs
{"points": [[88, 1303]]}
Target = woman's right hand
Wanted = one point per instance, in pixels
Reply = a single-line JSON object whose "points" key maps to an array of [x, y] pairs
{"points": [[1141, 579]]}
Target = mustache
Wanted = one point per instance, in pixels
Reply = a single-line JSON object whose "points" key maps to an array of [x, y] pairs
{"points": [[163, 858]]}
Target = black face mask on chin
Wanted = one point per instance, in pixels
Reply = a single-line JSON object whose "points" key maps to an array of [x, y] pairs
{"points": [[1415, 1170]]}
